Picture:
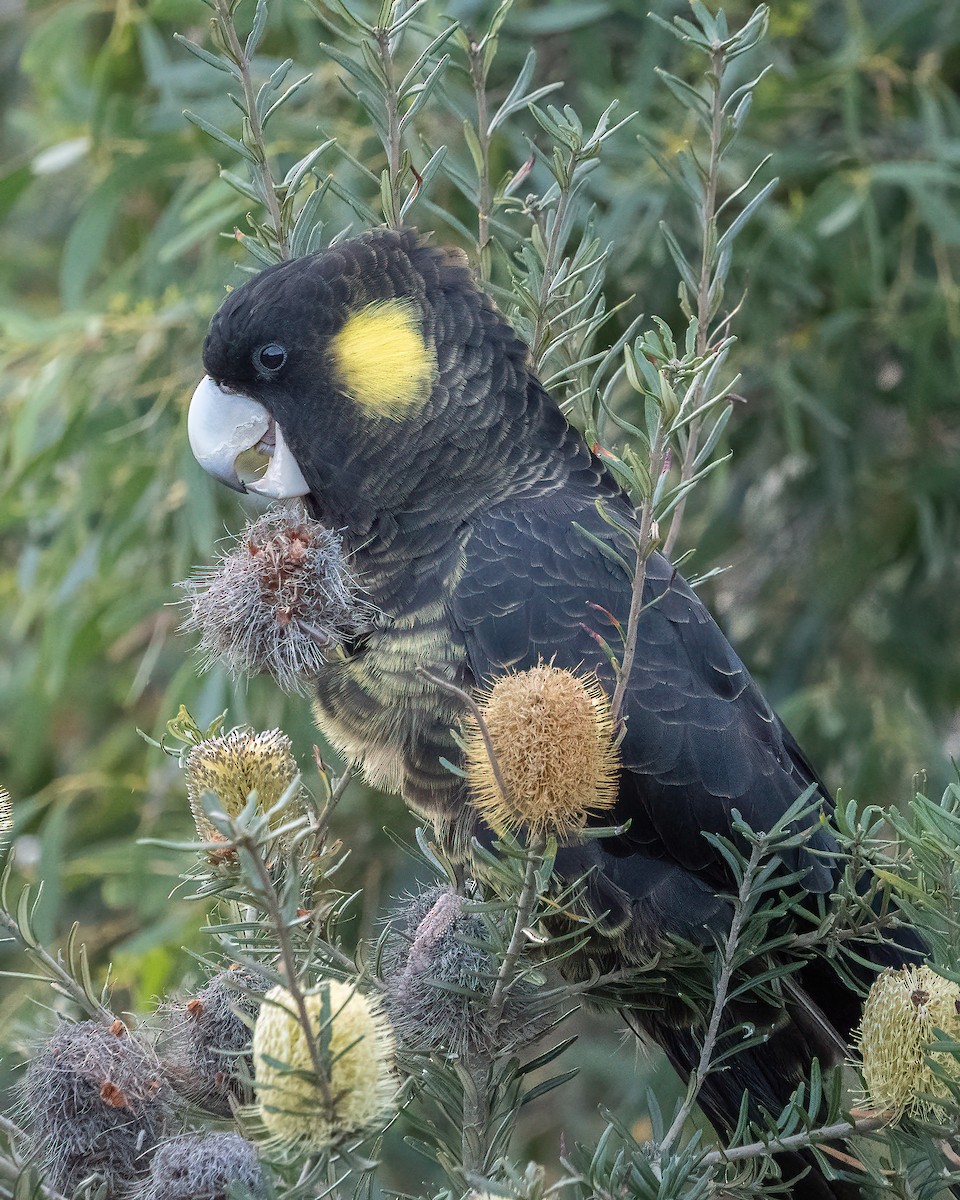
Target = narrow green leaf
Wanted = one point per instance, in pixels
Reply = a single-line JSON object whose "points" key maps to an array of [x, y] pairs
{"points": [[218, 61], [256, 32], [218, 135]]}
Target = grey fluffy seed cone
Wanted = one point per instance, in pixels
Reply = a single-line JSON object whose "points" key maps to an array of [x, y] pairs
{"points": [[205, 1042], [95, 1104], [279, 602], [439, 972], [202, 1167]]}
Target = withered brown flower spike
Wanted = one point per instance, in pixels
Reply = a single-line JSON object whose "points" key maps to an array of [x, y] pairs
{"points": [[553, 738]]}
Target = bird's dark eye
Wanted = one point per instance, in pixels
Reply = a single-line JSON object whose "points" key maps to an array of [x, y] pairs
{"points": [[270, 357]]}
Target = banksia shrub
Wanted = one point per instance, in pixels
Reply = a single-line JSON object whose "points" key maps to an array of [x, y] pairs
{"points": [[553, 739], [203, 1167], [233, 766], [206, 1045], [439, 973], [96, 1105], [280, 602], [355, 1047], [896, 1037]]}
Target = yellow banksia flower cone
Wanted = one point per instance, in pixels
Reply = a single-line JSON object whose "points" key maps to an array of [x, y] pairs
{"points": [[896, 1036], [553, 738], [356, 1044], [233, 766]]}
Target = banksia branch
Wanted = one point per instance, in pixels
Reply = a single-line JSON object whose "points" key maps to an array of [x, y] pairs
{"points": [[552, 735], [280, 602], [896, 1040], [356, 1050]]}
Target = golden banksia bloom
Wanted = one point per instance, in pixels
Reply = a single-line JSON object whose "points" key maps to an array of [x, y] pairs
{"points": [[553, 737], [356, 1044], [895, 1037], [233, 766]]}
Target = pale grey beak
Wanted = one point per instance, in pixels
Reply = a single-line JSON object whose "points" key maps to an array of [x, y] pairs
{"points": [[221, 425]]}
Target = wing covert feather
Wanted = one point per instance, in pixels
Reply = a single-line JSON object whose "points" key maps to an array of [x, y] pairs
{"points": [[701, 740]]}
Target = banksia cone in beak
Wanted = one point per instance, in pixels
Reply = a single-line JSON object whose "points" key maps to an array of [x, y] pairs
{"points": [[355, 1046], [280, 602], [553, 740], [233, 766], [896, 1037]]}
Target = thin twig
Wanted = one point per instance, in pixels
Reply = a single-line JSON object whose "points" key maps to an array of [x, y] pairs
{"points": [[484, 190], [730, 946], [274, 911], [707, 256], [471, 705], [798, 1141], [224, 11], [59, 976], [525, 906], [391, 103], [553, 259], [474, 1076], [644, 547]]}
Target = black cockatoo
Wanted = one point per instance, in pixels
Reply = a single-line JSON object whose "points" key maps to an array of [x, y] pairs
{"points": [[400, 405]]}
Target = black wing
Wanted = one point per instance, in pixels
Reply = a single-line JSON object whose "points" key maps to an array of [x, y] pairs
{"points": [[701, 740]]}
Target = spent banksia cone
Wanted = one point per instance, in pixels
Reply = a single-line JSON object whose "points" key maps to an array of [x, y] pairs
{"points": [[206, 1041], [204, 1167], [280, 602], [439, 972], [896, 1037], [355, 1044], [553, 738], [234, 765], [96, 1105]]}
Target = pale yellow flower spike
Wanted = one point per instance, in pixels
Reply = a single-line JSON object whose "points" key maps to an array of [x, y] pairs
{"points": [[896, 1032], [357, 1041], [233, 766]]}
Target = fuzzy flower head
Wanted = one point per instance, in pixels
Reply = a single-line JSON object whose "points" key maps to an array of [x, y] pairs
{"points": [[205, 1041], [896, 1036], [234, 765], [356, 1049], [439, 971], [96, 1105], [279, 602], [203, 1167], [553, 738]]}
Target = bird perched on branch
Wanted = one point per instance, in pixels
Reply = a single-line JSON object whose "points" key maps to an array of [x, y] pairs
{"points": [[396, 400]]}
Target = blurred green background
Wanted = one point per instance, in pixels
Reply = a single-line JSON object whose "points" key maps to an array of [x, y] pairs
{"points": [[839, 514]]}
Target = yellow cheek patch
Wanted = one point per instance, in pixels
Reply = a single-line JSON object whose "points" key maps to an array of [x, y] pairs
{"points": [[381, 360]]}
